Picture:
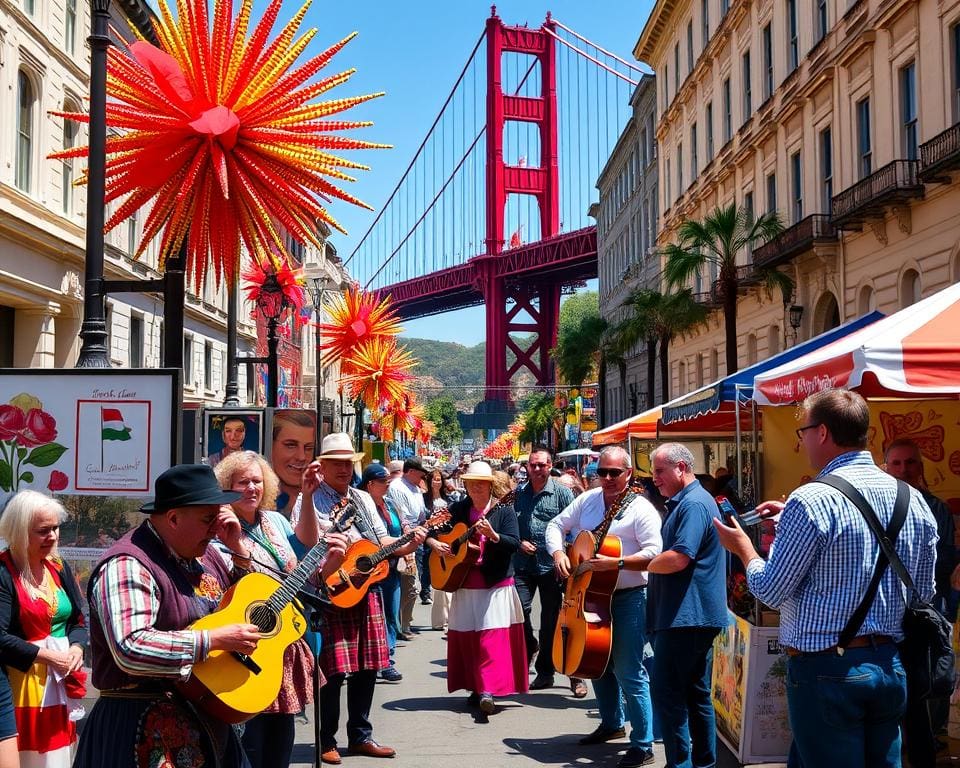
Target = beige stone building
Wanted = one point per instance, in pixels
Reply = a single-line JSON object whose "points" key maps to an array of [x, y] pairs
{"points": [[843, 117]]}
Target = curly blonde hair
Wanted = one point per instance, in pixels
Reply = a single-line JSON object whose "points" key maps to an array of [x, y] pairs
{"points": [[238, 461]]}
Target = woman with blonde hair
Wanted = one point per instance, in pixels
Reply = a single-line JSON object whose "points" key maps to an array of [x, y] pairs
{"points": [[274, 546], [486, 651], [42, 635]]}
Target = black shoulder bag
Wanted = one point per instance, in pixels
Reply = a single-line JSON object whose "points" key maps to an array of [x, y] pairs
{"points": [[926, 651]]}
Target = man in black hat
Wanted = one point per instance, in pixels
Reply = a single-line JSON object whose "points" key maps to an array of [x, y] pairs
{"points": [[150, 586]]}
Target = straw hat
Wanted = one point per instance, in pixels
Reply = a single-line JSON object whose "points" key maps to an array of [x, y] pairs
{"points": [[478, 470], [338, 445]]}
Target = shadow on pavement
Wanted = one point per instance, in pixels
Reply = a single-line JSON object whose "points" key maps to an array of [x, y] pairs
{"points": [[564, 750]]}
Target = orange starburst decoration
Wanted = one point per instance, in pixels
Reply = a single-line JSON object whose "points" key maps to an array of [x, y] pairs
{"points": [[221, 132], [286, 284], [355, 317], [376, 370]]}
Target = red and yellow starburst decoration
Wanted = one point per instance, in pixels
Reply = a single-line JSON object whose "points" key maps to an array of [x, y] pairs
{"points": [[377, 370], [287, 284], [220, 131], [356, 316]]}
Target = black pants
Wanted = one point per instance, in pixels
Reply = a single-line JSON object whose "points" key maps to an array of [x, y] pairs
{"points": [[423, 569], [268, 740], [550, 596], [921, 723], [360, 687]]}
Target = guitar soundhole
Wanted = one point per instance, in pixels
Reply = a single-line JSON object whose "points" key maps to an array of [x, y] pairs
{"points": [[264, 618], [363, 564], [454, 549]]}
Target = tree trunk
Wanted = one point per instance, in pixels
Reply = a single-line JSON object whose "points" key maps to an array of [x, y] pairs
{"points": [[665, 368], [730, 324], [651, 371], [602, 393]]}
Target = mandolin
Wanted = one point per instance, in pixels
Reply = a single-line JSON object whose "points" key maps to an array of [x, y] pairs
{"points": [[447, 573], [583, 636], [231, 686], [365, 565]]}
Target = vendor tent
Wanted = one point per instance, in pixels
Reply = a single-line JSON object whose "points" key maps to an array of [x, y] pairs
{"points": [[643, 425], [915, 352]]}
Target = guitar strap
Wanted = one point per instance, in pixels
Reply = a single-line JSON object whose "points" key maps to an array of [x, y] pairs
{"points": [[362, 520], [615, 510]]}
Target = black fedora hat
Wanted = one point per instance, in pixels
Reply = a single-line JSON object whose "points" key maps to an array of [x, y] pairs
{"points": [[188, 485]]}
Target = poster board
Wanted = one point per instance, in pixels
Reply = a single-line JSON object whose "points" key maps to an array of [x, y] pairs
{"points": [[95, 432], [231, 429]]}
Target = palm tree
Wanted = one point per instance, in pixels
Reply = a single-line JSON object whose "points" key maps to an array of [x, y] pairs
{"points": [[716, 240], [658, 318], [578, 349], [542, 417]]}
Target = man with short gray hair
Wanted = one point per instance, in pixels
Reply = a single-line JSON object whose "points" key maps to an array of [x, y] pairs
{"points": [[686, 610]]}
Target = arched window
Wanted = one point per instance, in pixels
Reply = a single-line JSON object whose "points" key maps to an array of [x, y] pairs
{"points": [[682, 377], [773, 340], [26, 100], [700, 369], [909, 288], [714, 363], [751, 349], [827, 314], [70, 131], [866, 300]]}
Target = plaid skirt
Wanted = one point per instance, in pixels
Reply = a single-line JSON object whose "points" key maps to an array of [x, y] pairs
{"points": [[354, 639]]}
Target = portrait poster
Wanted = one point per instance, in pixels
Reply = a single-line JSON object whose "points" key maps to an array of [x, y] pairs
{"points": [[290, 445], [226, 430], [87, 431]]}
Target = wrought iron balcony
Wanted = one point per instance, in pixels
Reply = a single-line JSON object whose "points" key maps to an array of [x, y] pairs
{"points": [[895, 183], [795, 240], [940, 155]]}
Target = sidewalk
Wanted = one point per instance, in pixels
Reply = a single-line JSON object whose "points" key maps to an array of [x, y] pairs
{"points": [[430, 728]]}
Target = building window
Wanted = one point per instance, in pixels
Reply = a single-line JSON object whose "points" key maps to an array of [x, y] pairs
{"points": [[188, 362], [694, 169], [709, 129], [669, 193], [70, 130], [826, 169], [28, 6], [724, 7], [132, 234], [136, 341], [767, 62], [727, 116], [751, 349], [651, 151], [747, 88], [690, 46], [796, 183], [955, 55], [821, 19], [748, 205], [793, 43], [666, 91], [680, 186], [643, 147], [676, 68], [70, 26], [864, 146], [704, 22], [208, 365], [908, 110], [26, 99], [909, 288], [772, 192]]}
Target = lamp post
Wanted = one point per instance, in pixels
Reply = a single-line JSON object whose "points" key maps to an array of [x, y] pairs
{"points": [[796, 317], [272, 303], [317, 289]]}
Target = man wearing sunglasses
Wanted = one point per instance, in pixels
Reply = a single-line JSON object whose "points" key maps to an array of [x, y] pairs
{"points": [[637, 525], [687, 608]]}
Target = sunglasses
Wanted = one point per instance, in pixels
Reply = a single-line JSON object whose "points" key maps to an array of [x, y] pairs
{"points": [[613, 472], [538, 465]]}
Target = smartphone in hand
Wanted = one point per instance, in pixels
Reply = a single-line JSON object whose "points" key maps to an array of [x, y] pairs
{"points": [[728, 512]]}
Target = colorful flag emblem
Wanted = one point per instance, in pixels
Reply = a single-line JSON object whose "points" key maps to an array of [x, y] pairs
{"points": [[112, 425]]}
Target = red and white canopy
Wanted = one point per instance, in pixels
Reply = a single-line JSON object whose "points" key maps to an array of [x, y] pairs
{"points": [[915, 351]]}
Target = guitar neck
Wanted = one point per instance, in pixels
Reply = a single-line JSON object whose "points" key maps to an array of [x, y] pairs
{"points": [[385, 552], [298, 577]]}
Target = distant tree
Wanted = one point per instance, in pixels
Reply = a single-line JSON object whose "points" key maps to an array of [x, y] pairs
{"points": [[443, 413], [716, 240], [543, 421], [576, 308], [579, 338]]}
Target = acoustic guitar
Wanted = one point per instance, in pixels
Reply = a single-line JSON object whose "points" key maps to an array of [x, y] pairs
{"points": [[583, 636], [365, 565], [231, 686], [448, 572]]}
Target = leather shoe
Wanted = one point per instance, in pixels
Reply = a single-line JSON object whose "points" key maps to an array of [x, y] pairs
{"points": [[541, 681], [636, 757], [602, 734], [331, 756], [578, 688], [405, 636], [370, 748]]}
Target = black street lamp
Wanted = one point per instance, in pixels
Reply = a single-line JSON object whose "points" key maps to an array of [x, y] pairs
{"points": [[317, 289], [272, 302]]}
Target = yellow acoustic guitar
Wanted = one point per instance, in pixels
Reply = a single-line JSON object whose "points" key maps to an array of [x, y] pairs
{"points": [[233, 687]]}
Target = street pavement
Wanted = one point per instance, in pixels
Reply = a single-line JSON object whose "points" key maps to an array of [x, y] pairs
{"points": [[430, 727]]}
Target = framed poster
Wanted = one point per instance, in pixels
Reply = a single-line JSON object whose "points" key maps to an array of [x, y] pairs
{"points": [[291, 445], [87, 431], [226, 430]]}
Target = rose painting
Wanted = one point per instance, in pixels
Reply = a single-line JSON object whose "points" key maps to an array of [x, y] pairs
{"points": [[27, 439]]}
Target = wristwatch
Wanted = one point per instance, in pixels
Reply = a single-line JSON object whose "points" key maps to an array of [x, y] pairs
{"points": [[620, 564]]}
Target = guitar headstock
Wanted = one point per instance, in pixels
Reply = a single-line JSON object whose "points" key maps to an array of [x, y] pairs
{"points": [[343, 515], [437, 519]]}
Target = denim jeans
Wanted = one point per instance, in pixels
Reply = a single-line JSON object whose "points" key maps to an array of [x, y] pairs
{"points": [[682, 665], [390, 595], [846, 710], [625, 672]]}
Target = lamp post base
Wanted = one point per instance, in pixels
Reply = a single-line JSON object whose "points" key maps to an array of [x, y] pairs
{"points": [[93, 348]]}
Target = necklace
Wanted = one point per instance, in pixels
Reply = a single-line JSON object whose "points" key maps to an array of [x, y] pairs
{"points": [[45, 590]]}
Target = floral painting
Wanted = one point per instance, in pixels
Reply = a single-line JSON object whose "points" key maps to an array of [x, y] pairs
{"points": [[28, 441]]}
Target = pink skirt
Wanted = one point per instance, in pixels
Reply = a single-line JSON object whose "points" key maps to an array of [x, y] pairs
{"points": [[486, 651]]}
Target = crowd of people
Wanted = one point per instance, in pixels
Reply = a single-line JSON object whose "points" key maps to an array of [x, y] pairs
{"points": [[207, 529]]}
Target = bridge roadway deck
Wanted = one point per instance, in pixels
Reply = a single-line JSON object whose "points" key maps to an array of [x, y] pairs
{"points": [[430, 728]]}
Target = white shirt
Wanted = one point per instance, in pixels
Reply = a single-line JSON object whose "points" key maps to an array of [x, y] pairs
{"points": [[408, 499], [324, 500], [637, 526]]}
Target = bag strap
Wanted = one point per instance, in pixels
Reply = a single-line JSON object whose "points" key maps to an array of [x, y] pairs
{"points": [[888, 555]]}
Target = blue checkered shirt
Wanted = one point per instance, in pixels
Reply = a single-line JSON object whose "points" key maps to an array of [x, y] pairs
{"points": [[824, 554]]}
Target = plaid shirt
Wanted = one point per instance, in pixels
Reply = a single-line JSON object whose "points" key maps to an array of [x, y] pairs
{"points": [[824, 555]]}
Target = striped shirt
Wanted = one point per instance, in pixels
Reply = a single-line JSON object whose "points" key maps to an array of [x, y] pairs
{"points": [[824, 554], [127, 599]]}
